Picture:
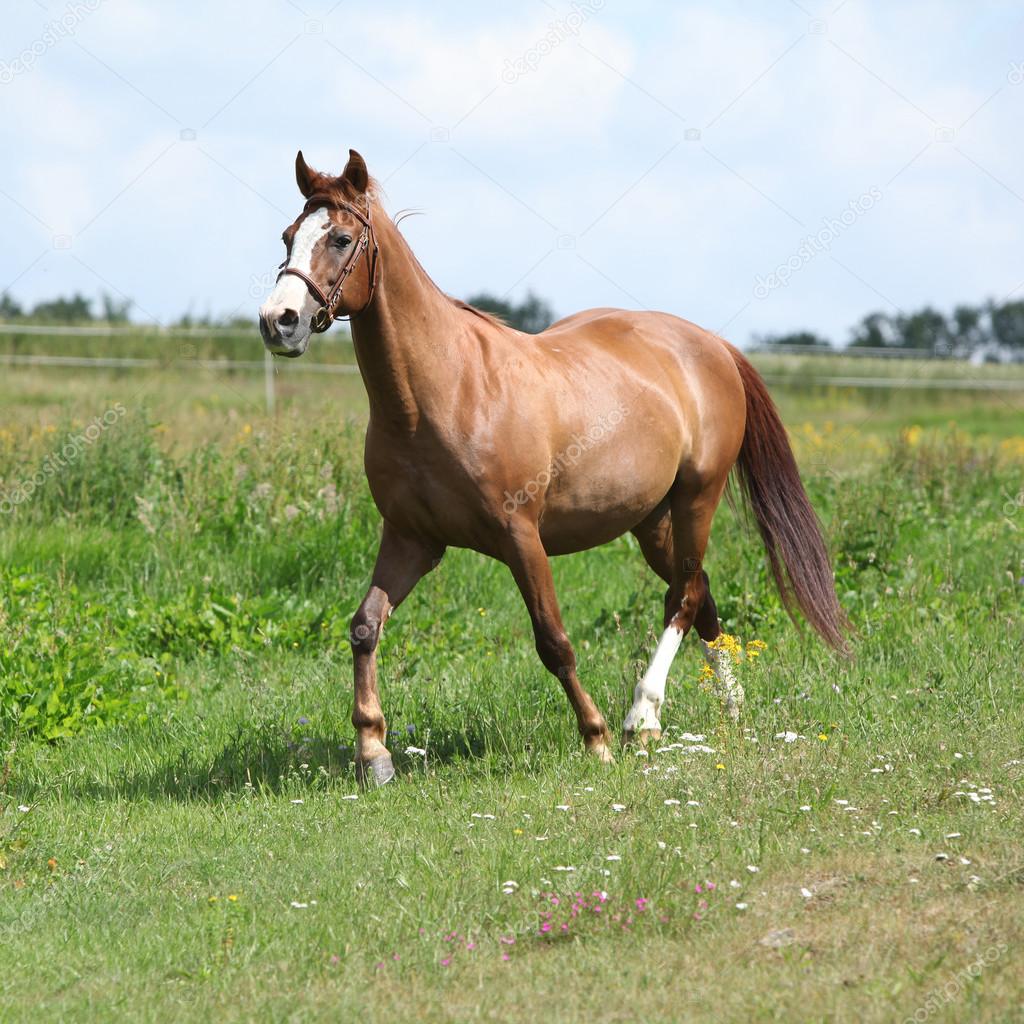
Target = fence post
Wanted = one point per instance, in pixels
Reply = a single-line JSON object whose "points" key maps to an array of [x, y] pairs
{"points": [[268, 381]]}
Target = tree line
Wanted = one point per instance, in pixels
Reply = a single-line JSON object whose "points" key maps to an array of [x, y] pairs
{"points": [[991, 330], [73, 309], [532, 314]]}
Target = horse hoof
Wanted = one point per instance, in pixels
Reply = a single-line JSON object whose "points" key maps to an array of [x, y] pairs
{"points": [[602, 753], [639, 738], [377, 772]]}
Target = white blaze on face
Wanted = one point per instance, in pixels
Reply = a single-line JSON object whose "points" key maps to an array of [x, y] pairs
{"points": [[649, 694], [291, 292]]}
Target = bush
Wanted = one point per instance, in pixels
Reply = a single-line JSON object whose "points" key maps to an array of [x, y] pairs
{"points": [[64, 665]]}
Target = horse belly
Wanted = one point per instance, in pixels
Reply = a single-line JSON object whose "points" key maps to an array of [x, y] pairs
{"points": [[593, 504]]}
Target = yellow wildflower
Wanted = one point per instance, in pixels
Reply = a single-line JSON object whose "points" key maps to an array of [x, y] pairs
{"points": [[726, 642], [754, 648]]}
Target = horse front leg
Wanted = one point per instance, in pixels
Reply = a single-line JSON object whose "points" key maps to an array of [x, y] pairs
{"points": [[402, 562], [525, 556]]}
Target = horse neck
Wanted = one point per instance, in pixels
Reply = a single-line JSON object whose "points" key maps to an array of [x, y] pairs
{"points": [[407, 338]]}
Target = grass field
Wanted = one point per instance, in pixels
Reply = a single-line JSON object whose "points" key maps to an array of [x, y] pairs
{"points": [[190, 843]]}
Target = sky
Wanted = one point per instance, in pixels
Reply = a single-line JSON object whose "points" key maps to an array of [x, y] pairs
{"points": [[757, 168]]}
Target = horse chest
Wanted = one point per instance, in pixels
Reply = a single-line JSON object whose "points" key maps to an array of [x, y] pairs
{"points": [[417, 491]]}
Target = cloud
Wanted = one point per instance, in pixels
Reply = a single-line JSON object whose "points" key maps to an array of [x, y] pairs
{"points": [[575, 177]]}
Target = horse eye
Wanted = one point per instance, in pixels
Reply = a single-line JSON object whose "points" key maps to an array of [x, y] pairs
{"points": [[342, 242]]}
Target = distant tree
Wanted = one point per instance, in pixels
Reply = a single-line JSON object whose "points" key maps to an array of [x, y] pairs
{"points": [[115, 311], [1008, 325], [75, 310], [970, 330], [193, 320], [9, 309], [924, 331], [874, 331], [238, 321], [532, 315], [806, 339]]}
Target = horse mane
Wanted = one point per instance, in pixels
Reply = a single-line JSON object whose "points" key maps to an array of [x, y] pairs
{"points": [[489, 317], [331, 189]]}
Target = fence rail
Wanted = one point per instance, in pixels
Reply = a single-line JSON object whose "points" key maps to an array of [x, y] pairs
{"points": [[862, 351], [894, 382], [112, 331], [132, 363]]}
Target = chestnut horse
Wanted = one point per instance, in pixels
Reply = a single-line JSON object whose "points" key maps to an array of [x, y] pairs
{"points": [[524, 446]]}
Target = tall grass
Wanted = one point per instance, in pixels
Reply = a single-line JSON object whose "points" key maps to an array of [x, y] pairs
{"points": [[176, 838]]}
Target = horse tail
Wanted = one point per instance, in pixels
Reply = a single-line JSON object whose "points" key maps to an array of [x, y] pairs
{"points": [[770, 481]]}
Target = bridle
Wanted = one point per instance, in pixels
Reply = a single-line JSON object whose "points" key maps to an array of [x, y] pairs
{"points": [[329, 300]]}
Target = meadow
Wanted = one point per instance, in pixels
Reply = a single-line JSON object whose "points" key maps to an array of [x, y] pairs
{"points": [[182, 836]]}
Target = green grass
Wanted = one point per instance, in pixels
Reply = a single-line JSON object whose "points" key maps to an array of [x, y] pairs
{"points": [[235, 780]]}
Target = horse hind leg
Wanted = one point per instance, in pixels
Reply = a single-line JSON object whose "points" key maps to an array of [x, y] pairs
{"points": [[643, 722], [726, 686], [673, 540]]}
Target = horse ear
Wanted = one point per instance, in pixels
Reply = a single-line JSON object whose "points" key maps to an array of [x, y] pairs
{"points": [[305, 176], [355, 172]]}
